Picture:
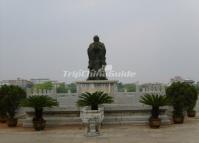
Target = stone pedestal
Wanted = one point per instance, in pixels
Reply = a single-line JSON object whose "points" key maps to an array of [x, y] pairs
{"points": [[92, 119], [108, 86]]}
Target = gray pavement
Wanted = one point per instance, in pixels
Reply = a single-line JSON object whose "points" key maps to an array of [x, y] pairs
{"points": [[185, 133]]}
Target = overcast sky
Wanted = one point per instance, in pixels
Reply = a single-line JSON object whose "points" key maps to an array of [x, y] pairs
{"points": [[157, 39]]}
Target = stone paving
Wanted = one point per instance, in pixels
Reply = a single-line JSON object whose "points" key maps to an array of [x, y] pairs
{"points": [[185, 133]]}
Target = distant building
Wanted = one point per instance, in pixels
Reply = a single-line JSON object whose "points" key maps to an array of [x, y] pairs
{"points": [[197, 84], [4, 82], [39, 80], [180, 79], [156, 88], [177, 79], [19, 82], [189, 81]]}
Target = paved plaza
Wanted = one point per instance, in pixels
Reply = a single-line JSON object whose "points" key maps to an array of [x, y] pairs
{"points": [[185, 133]]}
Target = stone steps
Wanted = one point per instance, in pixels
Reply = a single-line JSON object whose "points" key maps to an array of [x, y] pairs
{"points": [[141, 119], [55, 121], [113, 114], [58, 121]]}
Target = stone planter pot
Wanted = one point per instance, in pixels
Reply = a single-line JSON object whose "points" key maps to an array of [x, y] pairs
{"points": [[3, 119], [92, 119], [191, 113], [178, 119], [39, 125], [154, 122], [12, 122]]}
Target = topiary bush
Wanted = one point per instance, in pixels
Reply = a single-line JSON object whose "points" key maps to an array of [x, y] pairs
{"points": [[3, 112], [11, 96], [183, 97], [191, 98]]}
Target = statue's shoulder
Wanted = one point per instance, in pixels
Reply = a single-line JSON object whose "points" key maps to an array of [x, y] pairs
{"points": [[90, 46], [102, 45], [96, 44], [99, 44]]}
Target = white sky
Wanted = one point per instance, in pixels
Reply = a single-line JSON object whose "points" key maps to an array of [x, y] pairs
{"points": [[157, 39]]}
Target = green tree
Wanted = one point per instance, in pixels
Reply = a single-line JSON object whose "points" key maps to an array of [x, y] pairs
{"points": [[46, 85], [62, 88], [3, 111], [179, 94], [120, 87], [192, 97], [11, 96], [131, 87], [197, 87], [72, 87]]}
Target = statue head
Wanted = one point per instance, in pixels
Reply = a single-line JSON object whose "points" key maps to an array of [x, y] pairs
{"points": [[96, 38]]}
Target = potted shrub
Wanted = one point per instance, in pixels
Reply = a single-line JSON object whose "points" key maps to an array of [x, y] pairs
{"points": [[177, 92], [3, 114], [191, 98], [12, 95], [38, 102], [92, 115], [94, 99], [156, 101]]}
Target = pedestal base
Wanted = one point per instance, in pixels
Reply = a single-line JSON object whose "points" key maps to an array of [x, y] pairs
{"points": [[92, 119], [107, 86]]}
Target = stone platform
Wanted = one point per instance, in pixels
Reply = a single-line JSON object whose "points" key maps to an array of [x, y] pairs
{"points": [[114, 114]]}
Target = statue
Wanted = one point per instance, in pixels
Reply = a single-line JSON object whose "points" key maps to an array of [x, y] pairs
{"points": [[97, 60]]}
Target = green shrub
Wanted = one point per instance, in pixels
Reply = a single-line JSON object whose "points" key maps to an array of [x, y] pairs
{"points": [[179, 93], [3, 112], [94, 99], [38, 102], [11, 96], [155, 101], [191, 98]]}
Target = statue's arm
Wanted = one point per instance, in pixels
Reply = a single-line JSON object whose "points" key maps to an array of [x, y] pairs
{"points": [[103, 55], [90, 55], [90, 52]]}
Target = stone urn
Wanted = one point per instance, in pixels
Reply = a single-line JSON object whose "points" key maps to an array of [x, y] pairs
{"points": [[92, 119]]}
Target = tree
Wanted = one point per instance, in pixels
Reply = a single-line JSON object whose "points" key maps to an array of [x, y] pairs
{"points": [[180, 94], [72, 87], [12, 96], [44, 86], [62, 88], [3, 112], [129, 87], [191, 98], [120, 87]]}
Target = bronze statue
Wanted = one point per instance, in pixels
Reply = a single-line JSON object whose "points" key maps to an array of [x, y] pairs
{"points": [[97, 60]]}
